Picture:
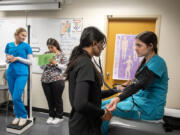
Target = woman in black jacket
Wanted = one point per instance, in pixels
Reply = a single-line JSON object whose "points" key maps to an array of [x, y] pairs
{"points": [[85, 83]]}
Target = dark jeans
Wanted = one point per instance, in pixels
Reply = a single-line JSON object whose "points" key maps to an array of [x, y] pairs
{"points": [[53, 92]]}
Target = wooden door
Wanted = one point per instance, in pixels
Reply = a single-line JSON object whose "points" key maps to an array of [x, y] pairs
{"points": [[122, 26]]}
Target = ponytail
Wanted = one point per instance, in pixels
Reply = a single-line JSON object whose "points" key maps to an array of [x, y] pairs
{"points": [[76, 52]]}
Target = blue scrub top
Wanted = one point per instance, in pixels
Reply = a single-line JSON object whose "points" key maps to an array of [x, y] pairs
{"points": [[21, 50], [152, 100]]}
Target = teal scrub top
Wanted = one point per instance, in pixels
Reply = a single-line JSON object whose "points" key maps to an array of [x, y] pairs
{"points": [[152, 100], [21, 50]]}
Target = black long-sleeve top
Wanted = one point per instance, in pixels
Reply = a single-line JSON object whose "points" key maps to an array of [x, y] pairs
{"points": [[85, 98], [142, 80], [83, 105]]}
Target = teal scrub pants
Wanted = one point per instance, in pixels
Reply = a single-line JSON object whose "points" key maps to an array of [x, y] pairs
{"points": [[124, 105], [16, 85]]}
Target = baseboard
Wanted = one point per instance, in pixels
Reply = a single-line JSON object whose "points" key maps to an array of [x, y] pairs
{"points": [[4, 104], [36, 109]]}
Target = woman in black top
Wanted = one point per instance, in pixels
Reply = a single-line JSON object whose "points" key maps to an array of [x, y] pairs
{"points": [[85, 85]]}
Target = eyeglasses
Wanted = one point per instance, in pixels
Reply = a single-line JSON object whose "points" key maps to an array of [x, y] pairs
{"points": [[102, 45]]}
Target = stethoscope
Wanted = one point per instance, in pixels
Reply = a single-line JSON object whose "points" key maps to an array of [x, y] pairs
{"points": [[100, 67]]}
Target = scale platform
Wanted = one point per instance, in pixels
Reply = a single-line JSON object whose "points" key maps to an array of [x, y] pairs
{"points": [[11, 128]]}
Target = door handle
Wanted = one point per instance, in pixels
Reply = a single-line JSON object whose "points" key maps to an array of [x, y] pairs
{"points": [[107, 75]]}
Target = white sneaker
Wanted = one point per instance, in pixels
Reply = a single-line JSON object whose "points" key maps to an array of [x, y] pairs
{"points": [[57, 120], [15, 121], [22, 122], [49, 120]]}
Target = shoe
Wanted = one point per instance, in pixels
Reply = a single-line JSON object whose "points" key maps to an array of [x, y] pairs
{"points": [[57, 120], [15, 121], [22, 122], [49, 120]]}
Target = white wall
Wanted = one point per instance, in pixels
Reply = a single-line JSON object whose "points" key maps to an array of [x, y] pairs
{"points": [[94, 13]]}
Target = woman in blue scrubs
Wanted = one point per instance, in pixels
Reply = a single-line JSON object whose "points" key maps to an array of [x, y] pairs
{"points": [[19, 56], [145, 97]]}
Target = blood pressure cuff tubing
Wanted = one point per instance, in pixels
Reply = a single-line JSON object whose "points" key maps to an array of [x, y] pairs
{"points": [[142, 79]]}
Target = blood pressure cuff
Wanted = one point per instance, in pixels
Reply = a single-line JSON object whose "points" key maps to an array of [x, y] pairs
{"points": [[142, 79], [108, 93]]}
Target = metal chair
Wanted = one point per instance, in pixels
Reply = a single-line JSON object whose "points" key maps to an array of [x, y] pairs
{"points": [[4, 88]]}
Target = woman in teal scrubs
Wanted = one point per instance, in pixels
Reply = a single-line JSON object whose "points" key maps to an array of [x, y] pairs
{"points": [[145, 97], [19, 56]]}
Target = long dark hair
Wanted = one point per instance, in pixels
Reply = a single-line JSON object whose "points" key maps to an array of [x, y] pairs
{"points": [[88, 35], [54, 42], [148, 37]]}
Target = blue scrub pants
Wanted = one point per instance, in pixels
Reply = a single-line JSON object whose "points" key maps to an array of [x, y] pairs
{"points": [[16, 85], [124, 105]]}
